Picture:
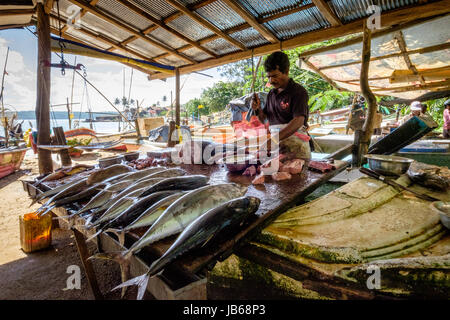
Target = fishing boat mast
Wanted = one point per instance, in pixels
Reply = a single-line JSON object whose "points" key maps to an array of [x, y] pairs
{"points": [[4, 119]]}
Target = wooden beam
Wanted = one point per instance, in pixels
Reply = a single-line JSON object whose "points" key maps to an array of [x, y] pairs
{"points": [[251, 20], [196, 17], [48, 6], [402, 45], [82, 13], [69, 37], [434, 48], [331, 82], [16, 12], [16, 26], [390, 18], [115, 21], [436, 84], [327, 13], [43, 89], [102, 38], [358, 39], [177, 97], [161, 24]]}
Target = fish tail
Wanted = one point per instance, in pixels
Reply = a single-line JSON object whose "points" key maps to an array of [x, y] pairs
{"points": [[123, 262], [119, 233], [94, 235], [140, 281], [47, 210]]}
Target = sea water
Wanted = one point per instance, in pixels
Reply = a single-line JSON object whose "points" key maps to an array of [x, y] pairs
{"points": [[99, 127]]}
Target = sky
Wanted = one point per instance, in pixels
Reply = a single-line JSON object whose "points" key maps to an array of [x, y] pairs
{"points": [[107, 76]]}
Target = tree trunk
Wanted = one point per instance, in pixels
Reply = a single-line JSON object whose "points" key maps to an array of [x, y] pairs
{"points": [[367, 94], [43, 90]]}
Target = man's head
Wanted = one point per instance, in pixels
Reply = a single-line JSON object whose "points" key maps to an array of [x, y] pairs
{"points": [[447, 104], [277, 69], [416, 108]]}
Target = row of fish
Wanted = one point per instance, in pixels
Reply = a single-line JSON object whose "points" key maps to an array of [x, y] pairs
{"points": [[166, 200]]}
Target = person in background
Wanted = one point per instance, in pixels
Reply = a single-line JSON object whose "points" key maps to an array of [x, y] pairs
{"points": [[286, 109], [424, 108], [446, 128]]}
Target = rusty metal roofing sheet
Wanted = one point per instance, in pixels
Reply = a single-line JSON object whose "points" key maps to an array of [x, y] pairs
{"points": [[220, 15], [157, 8], [119, 10], [297, 23], [167, 38], [250, 37], [145, 47], [189, 28], [172, 61], [104, 27], [349, 10]]}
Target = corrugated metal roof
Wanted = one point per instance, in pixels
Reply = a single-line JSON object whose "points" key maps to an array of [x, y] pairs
{"points": [[196, 54], [157, 8], [349, 10], [145, 47], [297, 23], [221, 46], [250, 37], [167, 38], [262, 9], [105, 28], [119, 10], [277, 13], [190, 28], [220, 15]]}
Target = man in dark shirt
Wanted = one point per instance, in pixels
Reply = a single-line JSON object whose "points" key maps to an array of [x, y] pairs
{"points": [[286, 109]]}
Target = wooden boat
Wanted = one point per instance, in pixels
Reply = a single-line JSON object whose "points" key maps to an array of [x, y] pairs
{"points": [[98, 138], [10, 160]]}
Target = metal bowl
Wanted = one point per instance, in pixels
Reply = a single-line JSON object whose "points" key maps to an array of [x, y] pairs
{"points": [[109, 161], [237, 163], [388, 165], [443, 208]]}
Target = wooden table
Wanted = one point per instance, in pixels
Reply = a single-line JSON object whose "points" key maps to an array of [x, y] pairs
{"points": [[186, 278]]}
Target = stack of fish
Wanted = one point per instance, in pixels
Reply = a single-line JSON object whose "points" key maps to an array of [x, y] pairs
{"points": [[166, 200]]}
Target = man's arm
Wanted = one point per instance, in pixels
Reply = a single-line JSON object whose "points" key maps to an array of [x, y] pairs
{"points": [[293, 125]]}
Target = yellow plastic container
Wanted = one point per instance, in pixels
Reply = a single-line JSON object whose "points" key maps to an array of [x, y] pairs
{"points": [[35, 232]]}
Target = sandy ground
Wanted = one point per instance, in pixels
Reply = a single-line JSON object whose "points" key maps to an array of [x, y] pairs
{"points": [[43, 274]]}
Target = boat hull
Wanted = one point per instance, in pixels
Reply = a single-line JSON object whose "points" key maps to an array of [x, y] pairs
{"points": [[10, 161]]}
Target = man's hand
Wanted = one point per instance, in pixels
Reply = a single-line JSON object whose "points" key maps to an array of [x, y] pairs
{"points": [[256, 103]]}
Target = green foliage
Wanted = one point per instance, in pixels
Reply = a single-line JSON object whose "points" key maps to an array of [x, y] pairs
{"points": [[331, 99], [191, 107], [436, 110], [220, 94]]}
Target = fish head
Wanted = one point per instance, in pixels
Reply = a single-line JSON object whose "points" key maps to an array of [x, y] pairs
{"points": [[242, 188], [253, 204]]}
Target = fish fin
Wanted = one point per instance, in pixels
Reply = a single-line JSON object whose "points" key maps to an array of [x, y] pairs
{"points": [[94, 235], [140, 281]]}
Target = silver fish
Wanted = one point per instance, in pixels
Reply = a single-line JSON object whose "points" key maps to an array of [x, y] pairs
{"points": [[185, 210], [198, 233], [108, 172], [149, 216]]}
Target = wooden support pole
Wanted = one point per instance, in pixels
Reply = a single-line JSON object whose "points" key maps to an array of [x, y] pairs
{"points": [[367, 130], [177, 96], [43, 89], [88, 268]]}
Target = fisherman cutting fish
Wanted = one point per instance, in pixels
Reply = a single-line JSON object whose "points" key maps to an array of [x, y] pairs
{"points": [[286, 109]]}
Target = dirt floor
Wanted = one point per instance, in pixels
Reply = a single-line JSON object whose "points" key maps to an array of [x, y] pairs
{"points": [[43, 274]]}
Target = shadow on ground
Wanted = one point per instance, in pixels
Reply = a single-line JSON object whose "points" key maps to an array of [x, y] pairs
{"points": [[43, 275]]}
